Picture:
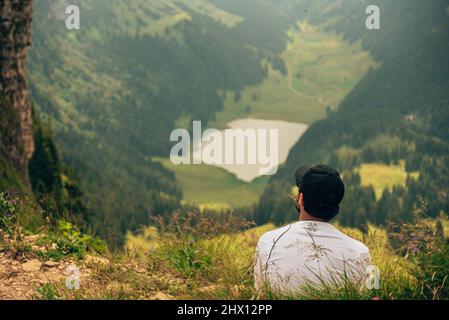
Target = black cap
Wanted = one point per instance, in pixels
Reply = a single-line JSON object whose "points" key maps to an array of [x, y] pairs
{"points": [[322, 188]]}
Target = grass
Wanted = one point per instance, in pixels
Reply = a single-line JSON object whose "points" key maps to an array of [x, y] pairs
{"points": [[144, 241], [382, 176], [209, 186], [213, 260], [241, 248], [322, 70], [228, 273], [232, 255]]}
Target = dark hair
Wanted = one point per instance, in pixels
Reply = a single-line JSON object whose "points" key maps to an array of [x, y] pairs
{"points": [[321, 211], [322, 189]]}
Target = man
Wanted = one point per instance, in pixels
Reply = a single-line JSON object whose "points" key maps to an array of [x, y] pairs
{"points": [[311, 252]]}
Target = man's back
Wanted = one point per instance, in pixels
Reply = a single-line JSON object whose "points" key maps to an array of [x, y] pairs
{"points": [[309, 252]]}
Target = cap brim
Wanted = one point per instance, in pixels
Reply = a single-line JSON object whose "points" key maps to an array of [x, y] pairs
{"points": [[299, 174]]}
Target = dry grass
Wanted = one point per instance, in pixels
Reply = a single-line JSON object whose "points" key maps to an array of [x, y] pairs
{"points": [[197, 257]]}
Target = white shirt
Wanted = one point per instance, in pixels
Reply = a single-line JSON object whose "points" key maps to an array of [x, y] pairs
{"points": [[308, 252]]}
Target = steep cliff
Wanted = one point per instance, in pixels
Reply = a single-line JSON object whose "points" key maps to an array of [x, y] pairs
{"points": [[16, 132]]}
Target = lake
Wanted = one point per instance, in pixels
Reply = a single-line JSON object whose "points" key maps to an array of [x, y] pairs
{"points": [[288, 133]]}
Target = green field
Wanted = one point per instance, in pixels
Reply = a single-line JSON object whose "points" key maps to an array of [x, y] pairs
{"points": [[322, 70], [381, 176], [205, 185]]}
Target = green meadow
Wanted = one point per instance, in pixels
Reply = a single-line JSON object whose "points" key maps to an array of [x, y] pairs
{"points": [[382, 177], [210, 186]]}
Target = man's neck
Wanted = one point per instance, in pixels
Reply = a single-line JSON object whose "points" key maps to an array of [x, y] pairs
{"points": [[304, 216]]}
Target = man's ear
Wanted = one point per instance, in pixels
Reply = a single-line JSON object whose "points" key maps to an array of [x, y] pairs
{"points": [[301, 200], [297, 199]]}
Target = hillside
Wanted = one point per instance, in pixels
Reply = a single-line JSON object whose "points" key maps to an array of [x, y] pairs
{"points": [[396, 113]]}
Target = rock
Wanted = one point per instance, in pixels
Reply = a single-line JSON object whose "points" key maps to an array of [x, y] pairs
{"points": [[51, 264], [161, 296], [209, 289], [32, 266], [96, 260], [15, 26], [33, 238], [53, 276]]}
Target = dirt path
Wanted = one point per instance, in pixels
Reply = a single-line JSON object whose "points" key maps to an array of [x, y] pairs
{"points": [[20, 279]]}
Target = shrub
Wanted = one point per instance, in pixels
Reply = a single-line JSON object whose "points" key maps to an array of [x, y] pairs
{"points": [[9, 209], [188, 259], [432, 271], [70, 241], [424, 244], [47, 292], [189, 244]]}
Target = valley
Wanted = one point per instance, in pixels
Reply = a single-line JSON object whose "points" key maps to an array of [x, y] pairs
{"points": [[321, 69]]}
